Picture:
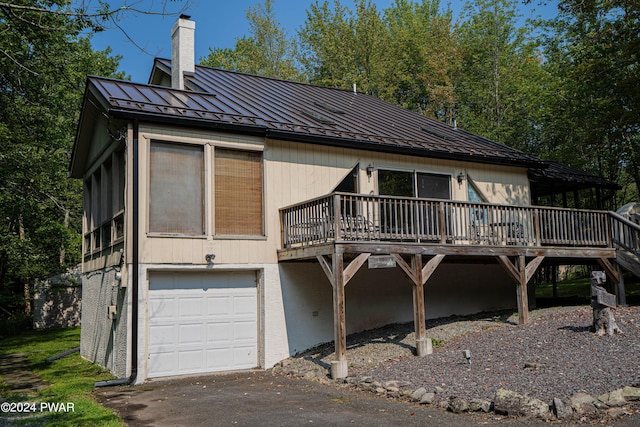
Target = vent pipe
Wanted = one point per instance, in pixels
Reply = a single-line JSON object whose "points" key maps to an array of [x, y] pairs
{"points": [[182, 50]]}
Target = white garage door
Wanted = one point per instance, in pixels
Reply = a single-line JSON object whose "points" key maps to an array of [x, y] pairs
{"points": [[202, 322]]}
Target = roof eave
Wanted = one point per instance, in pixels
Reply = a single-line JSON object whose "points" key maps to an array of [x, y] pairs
{"points": [[319, 139]]}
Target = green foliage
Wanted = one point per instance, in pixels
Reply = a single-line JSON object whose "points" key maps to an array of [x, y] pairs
{"points": [[69, 379], [15, 324], [267, 52], [501, 80], [592, 48], [44, 61]]}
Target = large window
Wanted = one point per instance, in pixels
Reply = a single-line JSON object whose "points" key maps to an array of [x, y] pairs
{"points": [[238, 193], [176, 192], [410, 184]]}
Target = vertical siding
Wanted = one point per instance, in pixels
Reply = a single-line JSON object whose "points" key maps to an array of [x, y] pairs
{"points": [[294, 172]]}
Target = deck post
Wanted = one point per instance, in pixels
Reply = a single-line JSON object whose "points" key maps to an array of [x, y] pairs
{"points": [[521, 292], [339, 367], [423, 344]]}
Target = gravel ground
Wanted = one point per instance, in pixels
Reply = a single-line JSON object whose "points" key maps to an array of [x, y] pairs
{"points": [[566, 357]]}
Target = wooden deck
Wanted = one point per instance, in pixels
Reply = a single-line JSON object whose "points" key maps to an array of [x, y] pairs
{"points": [[342, 231]]}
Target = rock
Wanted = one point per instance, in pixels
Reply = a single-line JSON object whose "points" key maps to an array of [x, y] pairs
{"points": [[458, 405], [631, 393], [533, 365], [583, 403], [439, 390], [511, 403], [561, 410], [476, 405], [380, 390], [615, 398], [393, 389], [285, 363], [427, 398], [390, 384], [403, 384], [417, 395], [616, 412]]}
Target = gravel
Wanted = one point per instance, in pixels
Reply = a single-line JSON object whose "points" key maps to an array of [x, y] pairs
{"points": [[554, 356]]}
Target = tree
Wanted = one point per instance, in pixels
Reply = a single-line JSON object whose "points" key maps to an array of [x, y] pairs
{"points": [[341, 47], [44, 61], [593, 47], [58, 16], [422, 58], [267, 52], [501, 80]]}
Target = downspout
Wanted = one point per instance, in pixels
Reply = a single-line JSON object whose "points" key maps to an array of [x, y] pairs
{"points": [[135, 263]]}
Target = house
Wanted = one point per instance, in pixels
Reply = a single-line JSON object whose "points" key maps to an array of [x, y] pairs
{"points": [[225, 214]]}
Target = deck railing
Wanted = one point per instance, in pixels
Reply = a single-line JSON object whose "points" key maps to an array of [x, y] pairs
{"points": [[625, 234], [341, 217]]}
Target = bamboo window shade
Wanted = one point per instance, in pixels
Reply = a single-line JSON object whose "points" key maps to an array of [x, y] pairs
{"points": [[238, 193]]}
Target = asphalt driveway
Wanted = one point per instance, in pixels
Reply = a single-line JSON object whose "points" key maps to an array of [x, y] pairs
{"points": [[265, 399]]}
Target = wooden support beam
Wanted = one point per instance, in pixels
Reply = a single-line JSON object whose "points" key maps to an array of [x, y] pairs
{"points": [[518, 273], [327, 268], [521, 292], [339, 367], [509, 267], [407, 269], [430, 268], [418, 275], [609, 270], [423, 344], [354, 266], [532, 267]]}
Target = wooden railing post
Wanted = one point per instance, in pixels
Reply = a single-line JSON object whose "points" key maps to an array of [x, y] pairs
{"points": [[536, 227], [336, 218], [442, 228]]}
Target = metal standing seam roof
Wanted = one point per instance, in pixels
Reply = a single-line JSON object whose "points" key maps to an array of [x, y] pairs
{"points": [[304, 112], [559, 173]]}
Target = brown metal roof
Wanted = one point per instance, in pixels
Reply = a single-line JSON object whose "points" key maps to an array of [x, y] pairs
{"points": [[301, 112], [558, 178]]}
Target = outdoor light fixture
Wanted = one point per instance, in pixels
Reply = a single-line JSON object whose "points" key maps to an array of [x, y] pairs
{"points": [[467, 355], [369, 170], [209, 258], [461, 177]]}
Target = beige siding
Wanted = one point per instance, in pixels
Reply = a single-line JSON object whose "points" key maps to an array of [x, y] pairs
{"points": [[294, 172]]}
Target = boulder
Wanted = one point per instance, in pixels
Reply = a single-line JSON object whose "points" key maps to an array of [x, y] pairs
{"points": [[477, 405], [561, 410], [417, 395], [631, 393], [615, 398], [458, 405], [583, 403], [427, 398], [511, 403]]}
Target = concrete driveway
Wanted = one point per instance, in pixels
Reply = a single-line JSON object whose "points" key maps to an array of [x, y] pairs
{"points": [[265, 399]]}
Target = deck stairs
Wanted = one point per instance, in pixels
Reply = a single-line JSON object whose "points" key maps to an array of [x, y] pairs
{"points": [[626, 239]]}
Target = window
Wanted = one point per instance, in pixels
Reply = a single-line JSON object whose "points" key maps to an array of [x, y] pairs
{"points": [[349, 183], [410, 184], [395, 183], [238, 193], [104, 205], [176, 189], [432, 186]]}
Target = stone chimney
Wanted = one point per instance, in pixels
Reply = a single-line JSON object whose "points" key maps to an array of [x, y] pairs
{"points": [[182, 50]]}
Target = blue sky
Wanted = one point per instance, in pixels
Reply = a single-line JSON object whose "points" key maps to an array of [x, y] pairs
{"points": [[218, 24]]}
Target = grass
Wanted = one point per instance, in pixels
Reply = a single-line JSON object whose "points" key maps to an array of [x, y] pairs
{"points": [[69, 380], [581, 287]]}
